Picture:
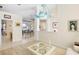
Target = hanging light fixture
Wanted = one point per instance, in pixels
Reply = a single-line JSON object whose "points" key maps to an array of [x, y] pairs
{"points": [[42, 13]]}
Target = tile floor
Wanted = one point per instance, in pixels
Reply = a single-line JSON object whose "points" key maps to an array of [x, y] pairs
{"points": [[21, 49]]}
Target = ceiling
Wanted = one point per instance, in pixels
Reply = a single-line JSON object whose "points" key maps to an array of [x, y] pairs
{"points": [[25, 10]]}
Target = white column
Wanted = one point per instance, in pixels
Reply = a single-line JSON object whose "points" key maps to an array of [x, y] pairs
{"points": [[37, 25], [48, 25], [37, 29]]}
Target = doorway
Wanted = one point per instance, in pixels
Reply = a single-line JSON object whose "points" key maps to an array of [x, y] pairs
{"points": [[42, 25], [6, 31], [27, 29]]}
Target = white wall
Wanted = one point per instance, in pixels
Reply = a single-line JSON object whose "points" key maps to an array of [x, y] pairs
{"points": [[65, 14], [63, 38], [17, 30]]}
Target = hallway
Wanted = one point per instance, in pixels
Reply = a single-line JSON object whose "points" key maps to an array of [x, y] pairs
{"points": [[23, 25]]}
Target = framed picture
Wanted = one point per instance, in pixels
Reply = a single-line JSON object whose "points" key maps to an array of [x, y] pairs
{"points": [[7, 16], [17, 23], [73, 25]]}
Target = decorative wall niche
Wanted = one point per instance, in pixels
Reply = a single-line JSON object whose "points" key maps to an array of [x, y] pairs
{"points": [[55, 26]]}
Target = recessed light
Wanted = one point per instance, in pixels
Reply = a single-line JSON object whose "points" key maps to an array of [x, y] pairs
{"points": [[18, 4]]}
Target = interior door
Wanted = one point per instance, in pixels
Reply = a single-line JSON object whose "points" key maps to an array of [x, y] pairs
{"points": [[7, 30]]}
